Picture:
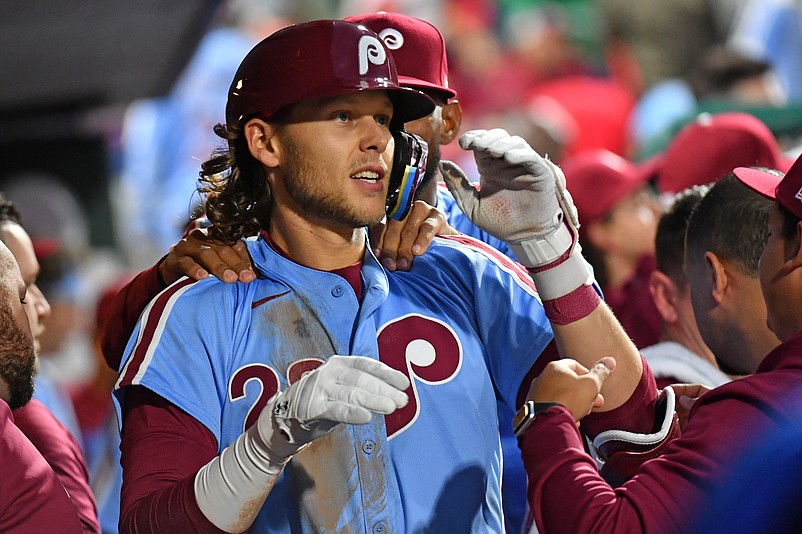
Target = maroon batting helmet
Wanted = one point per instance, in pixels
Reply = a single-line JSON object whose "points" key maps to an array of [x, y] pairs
{"points": [[317, 59]]}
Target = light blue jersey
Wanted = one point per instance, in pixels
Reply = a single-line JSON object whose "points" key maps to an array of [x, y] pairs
{"points": [[465, 325]]}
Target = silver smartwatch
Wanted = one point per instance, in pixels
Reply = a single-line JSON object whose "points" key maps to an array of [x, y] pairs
{"points": [[527, 414]]}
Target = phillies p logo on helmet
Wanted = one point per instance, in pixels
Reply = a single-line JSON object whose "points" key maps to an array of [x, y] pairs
{"points": [[370, 50]]}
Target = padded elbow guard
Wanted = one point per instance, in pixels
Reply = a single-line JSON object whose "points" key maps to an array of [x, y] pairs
{"points": [[621, 453]]}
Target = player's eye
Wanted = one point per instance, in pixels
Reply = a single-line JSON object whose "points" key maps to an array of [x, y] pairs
{"points": [[383, 120], [342, 116]]}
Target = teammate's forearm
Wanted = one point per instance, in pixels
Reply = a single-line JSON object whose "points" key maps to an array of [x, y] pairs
{"points": [[594, 336], [584, 327]]}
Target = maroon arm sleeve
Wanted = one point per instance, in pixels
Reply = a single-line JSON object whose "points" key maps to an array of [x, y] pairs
{"points": [[32, 498], [637, 414], [124, 311], [59, 447], [162, 449]]}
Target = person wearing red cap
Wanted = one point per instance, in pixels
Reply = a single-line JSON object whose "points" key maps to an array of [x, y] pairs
{"points": [[723, 423], [419, 52], [232, 397], [723, 244], [619, 216]]}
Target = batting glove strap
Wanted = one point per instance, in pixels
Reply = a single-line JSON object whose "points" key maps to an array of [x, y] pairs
{"points": [[564, 278], [542, 251], [621, 453]]}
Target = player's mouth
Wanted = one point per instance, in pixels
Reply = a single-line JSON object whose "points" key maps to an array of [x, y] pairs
{"points": [[369, 176]]}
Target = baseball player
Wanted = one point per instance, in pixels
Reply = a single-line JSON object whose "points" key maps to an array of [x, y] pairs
{"points": [[31, 497], [330, 394]]}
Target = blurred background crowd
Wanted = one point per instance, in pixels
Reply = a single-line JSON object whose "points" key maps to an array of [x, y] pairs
{"points": [[107, 111]]}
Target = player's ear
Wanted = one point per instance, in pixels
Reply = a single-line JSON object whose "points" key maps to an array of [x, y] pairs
{"points": [[794, 249], [664, 293], [452, 120], [263, 143], [717, 276]]}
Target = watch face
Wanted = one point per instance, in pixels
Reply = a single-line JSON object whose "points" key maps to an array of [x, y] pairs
{"points": [[524, 414]]}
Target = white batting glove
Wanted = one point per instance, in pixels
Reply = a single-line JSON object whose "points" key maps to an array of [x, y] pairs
{"points": [[345, 389], [522, 199]]}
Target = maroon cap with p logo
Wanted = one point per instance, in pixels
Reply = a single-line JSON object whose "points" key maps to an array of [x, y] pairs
{"points": [[417, 47], [322, 58], [786, 190]]}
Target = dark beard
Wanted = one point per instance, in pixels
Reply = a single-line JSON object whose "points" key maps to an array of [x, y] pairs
{"points": [[16, 359]]}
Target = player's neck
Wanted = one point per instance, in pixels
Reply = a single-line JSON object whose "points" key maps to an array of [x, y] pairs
{"points": [[689, 337], [317, 246]]}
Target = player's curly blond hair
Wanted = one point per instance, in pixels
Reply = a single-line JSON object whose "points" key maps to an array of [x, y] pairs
{"points": [[238, 199]]}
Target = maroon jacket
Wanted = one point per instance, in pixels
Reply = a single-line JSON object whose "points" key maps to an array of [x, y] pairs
{"points": [[59, 447], [567, 494], [31, 497]]}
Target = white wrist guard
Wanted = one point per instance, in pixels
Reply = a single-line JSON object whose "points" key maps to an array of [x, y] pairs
{"points": [[563, 277], [543, 250], [230, 489]]}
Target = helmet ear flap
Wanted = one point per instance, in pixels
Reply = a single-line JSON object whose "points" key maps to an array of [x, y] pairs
{"points": [[409, 166]]}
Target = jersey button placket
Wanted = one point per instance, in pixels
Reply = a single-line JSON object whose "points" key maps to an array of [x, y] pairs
{"points": [[379, 528], [337, 291]]}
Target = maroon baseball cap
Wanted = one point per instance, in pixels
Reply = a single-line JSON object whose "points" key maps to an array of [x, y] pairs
{"points": [[712, 146], [322, 58], [786, 190], [600, 179], [417, 46]]}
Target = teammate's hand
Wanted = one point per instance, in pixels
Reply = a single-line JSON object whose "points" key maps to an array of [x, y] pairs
{"points": [[521, 195], [569, 383], [197, 255], [396, 243], [687, 395], [345, 389]]}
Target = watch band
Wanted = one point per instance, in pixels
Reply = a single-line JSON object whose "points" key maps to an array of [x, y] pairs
{"points": [[527, 414]]}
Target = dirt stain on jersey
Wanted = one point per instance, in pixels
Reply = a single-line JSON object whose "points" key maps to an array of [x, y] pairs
{"points": [[323, 481], [294, 331]]}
